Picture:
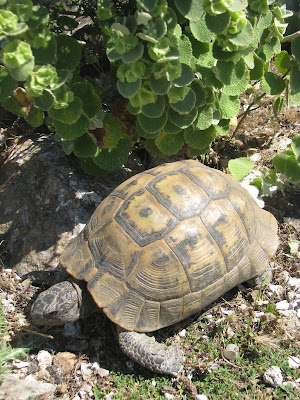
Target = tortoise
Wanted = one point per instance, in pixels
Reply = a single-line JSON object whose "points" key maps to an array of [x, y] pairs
{"points": [[162, 246]]}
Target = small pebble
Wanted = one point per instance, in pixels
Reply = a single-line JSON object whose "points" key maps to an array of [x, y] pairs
{"points": [[201, 397], [153, 383], [19, 365], [231, 352], [282, 305], [273, 376], [294, 282], [65, 361], [44, 359], [86, 371], [169, 396], [182, 333]]}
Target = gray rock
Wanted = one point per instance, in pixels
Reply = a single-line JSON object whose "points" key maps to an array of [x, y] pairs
{"points": [[273, 376], [45, 198], [14, 388]]}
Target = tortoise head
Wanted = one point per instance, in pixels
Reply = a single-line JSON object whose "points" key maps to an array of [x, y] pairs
{"points": [[58, 305]]}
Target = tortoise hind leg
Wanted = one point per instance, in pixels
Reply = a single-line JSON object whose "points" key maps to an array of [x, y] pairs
{"points": [[146, 351], [265, 276]]}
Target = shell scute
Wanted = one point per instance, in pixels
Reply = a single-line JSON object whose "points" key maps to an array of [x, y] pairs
{"points": [[168, 242]]}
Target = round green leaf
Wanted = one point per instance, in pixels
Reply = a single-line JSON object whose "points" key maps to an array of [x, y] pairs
{"points": [[7, 83], [200, 139], [35, 117], [244, 37], [204, 119], [182, 120], [68, 115], [201, 32], [169, 144], [282, 61], [170, 128], [198, 88], [272, 84], [68, 52], [152, 125], [90, 100], [127, 89], [133, 55], [292, 170], [159, 86], [279, 161], [186, 77], [89, 166], [229, 106], [142, 133], [111, 130], [84, 146], [186, 105], [296, 146], [70, 132], [240, 167], [113, 158], [185, 50], [217, 23], [154, 110], [45, 101], [190, 9], [231, 73]]}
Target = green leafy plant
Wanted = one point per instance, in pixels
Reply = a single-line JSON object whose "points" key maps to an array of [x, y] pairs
{"points": [[288, 161], [181, 66], [7, 352]]}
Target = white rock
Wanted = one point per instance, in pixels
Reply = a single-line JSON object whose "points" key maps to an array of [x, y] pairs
{"points": [[275, 289], [169, 396], [86, 371], [255, 157], [294, 282], [285, 276], [182, 333], [109, 395], [282, 305], [76, 397], [294, 362], [8, 305], [201, 397], [273, 376], [19, 365], [44, 359], [82, 394], [231, 351], [153, 383], [227, 312]]}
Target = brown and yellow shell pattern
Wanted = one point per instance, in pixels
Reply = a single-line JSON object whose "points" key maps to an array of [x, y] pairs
{"points": [[168, 242]]}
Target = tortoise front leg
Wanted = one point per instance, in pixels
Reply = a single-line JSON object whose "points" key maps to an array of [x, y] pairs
{"points": [[146, 351]]}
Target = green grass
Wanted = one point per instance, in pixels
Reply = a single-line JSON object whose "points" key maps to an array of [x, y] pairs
{"points": [[212, 375], [8, 353]]}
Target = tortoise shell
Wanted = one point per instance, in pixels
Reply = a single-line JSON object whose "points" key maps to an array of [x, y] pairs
{"points": [[168, 242]]}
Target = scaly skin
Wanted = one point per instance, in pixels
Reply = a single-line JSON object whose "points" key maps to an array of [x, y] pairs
{"points": [[62, 304]]}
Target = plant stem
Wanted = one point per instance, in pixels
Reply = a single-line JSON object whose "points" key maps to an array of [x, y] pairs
{"points": [[244, 115]]}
